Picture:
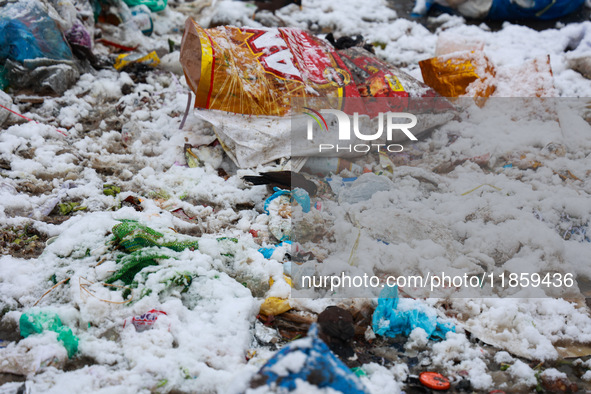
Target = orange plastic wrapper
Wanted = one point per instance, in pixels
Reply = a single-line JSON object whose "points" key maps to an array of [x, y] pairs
{"points": [[459, 74], [258, 71]]}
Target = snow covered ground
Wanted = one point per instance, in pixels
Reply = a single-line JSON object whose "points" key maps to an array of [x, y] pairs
{"points": [[125, 132]]}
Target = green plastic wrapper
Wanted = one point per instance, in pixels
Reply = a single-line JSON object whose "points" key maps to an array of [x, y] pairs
{"points": [[153, 5], [133, 236], [36, 322], [144, 246], [134, 262]]}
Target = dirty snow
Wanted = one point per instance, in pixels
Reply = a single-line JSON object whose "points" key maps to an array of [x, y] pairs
{"points": [[133, 140]]}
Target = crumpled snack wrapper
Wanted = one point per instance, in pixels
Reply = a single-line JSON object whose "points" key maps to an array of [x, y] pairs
{"points": [[459, 74]]}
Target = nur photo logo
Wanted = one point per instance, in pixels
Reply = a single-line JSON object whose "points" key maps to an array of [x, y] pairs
{"points": [[360, 128]]}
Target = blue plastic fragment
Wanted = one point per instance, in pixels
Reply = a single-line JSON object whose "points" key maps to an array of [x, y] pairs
{"points": [[268, 252], [302, 198], [535, 9], [310, 360], [421, 11], [344, 180], [27, 32], [394, 317], [514, 10], [299, 195]]}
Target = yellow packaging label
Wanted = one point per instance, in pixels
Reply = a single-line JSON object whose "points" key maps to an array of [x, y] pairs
{"points": [[151, 59], [394, 83]]}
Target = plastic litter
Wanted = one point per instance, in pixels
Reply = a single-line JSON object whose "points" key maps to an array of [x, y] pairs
{"points": [[79, 36], [141, 19], [503, 9], [37, 321], [279, 208], [376, 78], [146, 321], [298, 195], [133, 263], [144, 246], [394, 316], [116, 45], [272, 58], [460, 73], [153, 5], [273, 306], [203, 155], [276, 63], [286, 278], [125, 59], [26, 360], [133, 236], [554, 384], [364, 187], [41, 75], [51, 203], [358, 371], [337, 183], [269, 251], [27, 32], [33, 49], [478, 187], [309, 360], [130, 132], [434, 381], [533, 9]]}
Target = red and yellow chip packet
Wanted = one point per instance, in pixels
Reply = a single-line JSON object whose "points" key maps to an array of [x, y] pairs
{"points": [[378, 79], [258, 71]]}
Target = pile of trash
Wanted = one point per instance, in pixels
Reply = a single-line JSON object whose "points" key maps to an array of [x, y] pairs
{"points": [[167, 225]]}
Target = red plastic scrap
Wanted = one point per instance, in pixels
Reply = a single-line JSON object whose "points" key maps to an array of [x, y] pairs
{"points": [[145, 321], [434, 381]]}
